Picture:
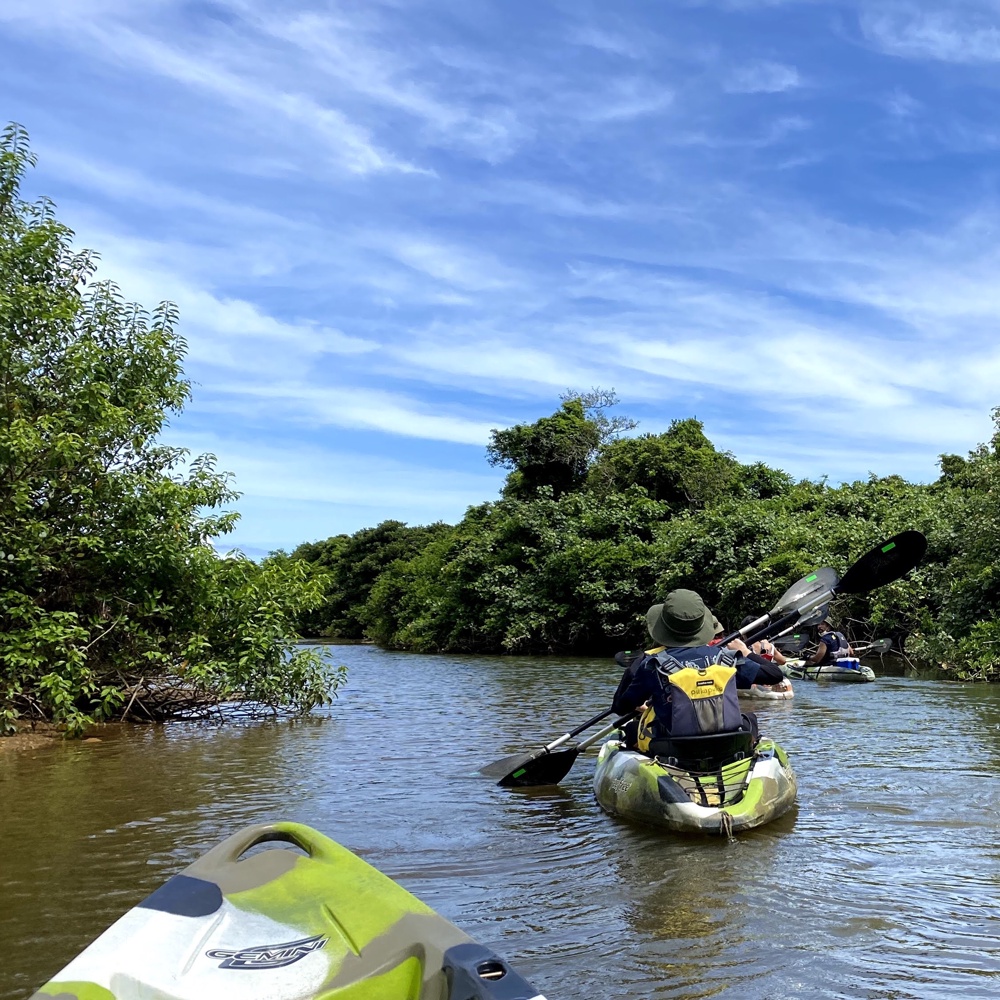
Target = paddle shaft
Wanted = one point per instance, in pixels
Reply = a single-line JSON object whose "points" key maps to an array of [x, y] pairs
{"points": [[606, 731], [880, 643], [566, 737]]}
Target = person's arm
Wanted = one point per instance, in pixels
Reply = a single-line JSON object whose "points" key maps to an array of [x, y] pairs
{"points": [[818, 654], [630, 696], [767, 648]]}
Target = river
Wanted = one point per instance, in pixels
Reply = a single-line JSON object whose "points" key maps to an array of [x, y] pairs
{"points": [[883, 883]]}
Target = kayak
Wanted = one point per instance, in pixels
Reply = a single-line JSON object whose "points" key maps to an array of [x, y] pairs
{"points": [[848, 670], [667, 792], [312, 922], [768, 692]]}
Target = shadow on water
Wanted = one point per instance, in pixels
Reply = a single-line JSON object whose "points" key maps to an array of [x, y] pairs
{"points": [[884, 883]]}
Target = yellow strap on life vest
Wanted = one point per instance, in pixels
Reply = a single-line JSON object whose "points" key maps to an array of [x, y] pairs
{"points": [[658, 649], [646, 727]]}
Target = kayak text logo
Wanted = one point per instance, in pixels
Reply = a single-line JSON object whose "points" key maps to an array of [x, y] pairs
{"points": [[267, 956]]}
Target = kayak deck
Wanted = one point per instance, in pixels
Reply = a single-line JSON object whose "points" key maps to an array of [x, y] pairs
{"points": [[768, 692], [312, 923], [737, 796]]}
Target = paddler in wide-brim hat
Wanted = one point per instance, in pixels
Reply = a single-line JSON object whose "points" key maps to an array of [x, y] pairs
{"points": [[684, 626], [682, 621]]}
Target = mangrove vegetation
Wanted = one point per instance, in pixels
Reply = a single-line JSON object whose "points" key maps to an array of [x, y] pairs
{"points": [[593, 525], [113, 600]]}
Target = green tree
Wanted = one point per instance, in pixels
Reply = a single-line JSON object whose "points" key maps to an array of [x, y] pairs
{"points": [[680, 467], [552, 452], [352, 564], [109, 589]]}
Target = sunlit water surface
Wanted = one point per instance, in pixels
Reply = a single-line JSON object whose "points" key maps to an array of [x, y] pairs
{"points": [[884, 883]]}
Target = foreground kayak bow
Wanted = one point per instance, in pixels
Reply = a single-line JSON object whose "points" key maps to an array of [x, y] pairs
{"points": [[316, 923]]}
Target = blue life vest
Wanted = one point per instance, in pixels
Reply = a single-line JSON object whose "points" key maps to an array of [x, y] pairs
{"points": [[837, 646]]}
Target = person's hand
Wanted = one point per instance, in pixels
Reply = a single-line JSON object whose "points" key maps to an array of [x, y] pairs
{"points": [[740, 646]]}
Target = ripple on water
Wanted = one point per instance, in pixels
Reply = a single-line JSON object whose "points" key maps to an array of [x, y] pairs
{"points": [[883, 883]]}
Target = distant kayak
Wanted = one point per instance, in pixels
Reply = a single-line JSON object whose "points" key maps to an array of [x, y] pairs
{"points": [[736, 795], [768, 692], [316, 922], [848, 670]]}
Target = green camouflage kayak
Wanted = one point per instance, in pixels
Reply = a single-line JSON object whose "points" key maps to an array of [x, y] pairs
{"points": [[316, 923], [847, 670], [734, 796]]}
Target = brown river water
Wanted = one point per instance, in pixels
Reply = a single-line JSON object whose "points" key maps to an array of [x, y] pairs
{"points": [[883, 883]]}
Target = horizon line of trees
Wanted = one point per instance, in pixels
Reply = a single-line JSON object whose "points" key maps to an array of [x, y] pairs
{"points": [[592, 527]]}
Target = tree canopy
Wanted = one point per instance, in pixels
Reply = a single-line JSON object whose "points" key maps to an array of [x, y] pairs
{"points": [[113, 601], [592, 528]]}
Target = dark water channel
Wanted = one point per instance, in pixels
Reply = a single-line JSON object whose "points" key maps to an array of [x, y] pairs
{"points": [[885, 883]]}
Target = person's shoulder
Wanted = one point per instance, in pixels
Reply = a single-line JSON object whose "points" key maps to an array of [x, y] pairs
{"points": [[693, 652]]}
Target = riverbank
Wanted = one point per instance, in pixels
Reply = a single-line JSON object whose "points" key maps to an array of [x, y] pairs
{"points": [[42, 734]]}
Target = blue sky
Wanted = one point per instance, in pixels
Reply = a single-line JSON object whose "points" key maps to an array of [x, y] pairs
{"points": [[392, 226]]}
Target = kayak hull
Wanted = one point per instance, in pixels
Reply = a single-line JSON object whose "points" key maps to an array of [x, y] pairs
{"points": [[317, 922], [848, 671], [650, 791], [768, 692]]}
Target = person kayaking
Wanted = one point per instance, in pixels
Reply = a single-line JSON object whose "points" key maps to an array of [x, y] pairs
{"points": [[764, 648], [682, 627], [830, 647]]}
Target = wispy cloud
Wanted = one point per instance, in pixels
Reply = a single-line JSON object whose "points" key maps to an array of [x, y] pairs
{"points": [[762, 78], [968, 33], [392, 227]]}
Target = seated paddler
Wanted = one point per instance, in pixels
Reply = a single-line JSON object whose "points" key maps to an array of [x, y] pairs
{"points": [[830, 646], [685, 685]]}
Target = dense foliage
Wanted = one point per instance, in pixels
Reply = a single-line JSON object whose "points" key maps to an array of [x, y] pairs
{"points": [[593, 527], [112, 601]]}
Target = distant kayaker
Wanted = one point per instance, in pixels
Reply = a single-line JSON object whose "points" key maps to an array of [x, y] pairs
{"points": [[764, 647], [832, 646], [682, 628]]}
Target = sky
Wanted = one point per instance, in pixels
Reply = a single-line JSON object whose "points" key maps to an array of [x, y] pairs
{"points": [[393, 225]]}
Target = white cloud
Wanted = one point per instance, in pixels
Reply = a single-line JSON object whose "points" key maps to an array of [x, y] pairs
{"points": [[495, 365], [349, 406], [962, 35], [900, 104], [763, 78], [452, 265], [335, 475], [248, 88], [625, 99], [611, 42]]}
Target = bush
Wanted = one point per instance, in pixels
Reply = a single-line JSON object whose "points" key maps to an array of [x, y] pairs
{"points": [[110, 591]]}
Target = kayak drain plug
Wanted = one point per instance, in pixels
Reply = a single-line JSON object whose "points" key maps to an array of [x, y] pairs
{"points": [[491, 970]]}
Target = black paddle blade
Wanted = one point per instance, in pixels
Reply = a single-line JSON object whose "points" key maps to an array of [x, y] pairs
{"points": [[879, 648], [792, 644], [507, 765], [809, 586], [549, 769], [885, 563]]}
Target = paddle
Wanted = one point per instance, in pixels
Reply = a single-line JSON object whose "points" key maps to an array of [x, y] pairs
{"points": [[876, 648], [797, 606], [550, 768], [820, 581], [886, 562], [508, 765]]}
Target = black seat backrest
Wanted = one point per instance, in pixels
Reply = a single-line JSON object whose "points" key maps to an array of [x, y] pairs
{"points": [[705, 752]]}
